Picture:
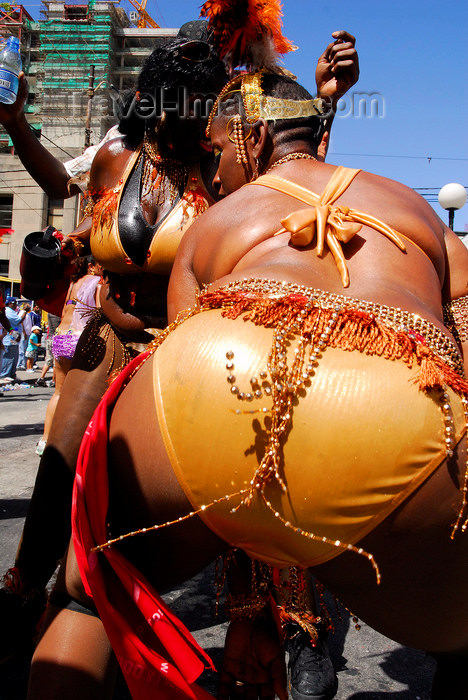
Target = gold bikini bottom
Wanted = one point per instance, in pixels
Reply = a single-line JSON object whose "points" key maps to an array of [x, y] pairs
{"points": [[297, 420]]}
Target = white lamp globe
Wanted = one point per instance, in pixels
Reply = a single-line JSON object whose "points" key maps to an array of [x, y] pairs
{"points": [[452, 196]]}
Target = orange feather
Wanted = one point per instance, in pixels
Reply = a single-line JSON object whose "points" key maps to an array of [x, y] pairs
{"points": [[239, 25]]}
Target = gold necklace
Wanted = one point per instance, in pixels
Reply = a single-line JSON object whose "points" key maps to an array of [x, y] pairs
{"points": [[296, 155]]}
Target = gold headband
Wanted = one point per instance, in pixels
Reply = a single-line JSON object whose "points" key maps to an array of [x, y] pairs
{"points": [[260, 106]]}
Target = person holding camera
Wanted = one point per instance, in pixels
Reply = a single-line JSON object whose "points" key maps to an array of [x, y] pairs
{"points": [[10, 341]]}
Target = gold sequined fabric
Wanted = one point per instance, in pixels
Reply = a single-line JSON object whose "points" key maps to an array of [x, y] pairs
{"points": [[289, 443], [105, 242]]}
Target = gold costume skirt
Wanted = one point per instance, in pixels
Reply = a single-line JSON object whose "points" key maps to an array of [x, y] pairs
{"points": [[296, 423]]}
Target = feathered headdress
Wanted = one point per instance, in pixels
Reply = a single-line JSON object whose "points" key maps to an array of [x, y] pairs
{"points": [[247, 32]]}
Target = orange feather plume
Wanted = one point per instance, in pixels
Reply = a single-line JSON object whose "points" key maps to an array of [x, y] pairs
{"points": [[247, 32]]}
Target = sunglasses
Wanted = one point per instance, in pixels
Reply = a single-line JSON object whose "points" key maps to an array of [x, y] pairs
{"points": [[195, 50]]}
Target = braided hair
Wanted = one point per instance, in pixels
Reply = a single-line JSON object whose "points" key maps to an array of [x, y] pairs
{"points": [[166, 84]]}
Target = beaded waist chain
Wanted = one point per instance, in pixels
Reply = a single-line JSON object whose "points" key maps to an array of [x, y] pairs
{"points": [[318, 320], [414, 326]]}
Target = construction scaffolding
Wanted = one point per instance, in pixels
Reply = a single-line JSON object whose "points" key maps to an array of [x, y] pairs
{"points": [[15, 20], [69, 46], [72, 38]]}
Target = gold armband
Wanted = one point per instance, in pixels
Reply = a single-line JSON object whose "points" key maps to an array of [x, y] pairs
{"points": [[456, 318], [80, 181], [88, 209], [78, 246]]}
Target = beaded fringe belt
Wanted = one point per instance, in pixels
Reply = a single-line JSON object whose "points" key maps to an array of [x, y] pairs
{"points": [[318, 320], [99, 329]]}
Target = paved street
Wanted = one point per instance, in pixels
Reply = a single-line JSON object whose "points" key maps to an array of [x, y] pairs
{"points": [[370, 667]]}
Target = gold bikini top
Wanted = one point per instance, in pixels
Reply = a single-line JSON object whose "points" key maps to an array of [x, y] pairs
{"points": [[333, 225], [105, 240]]}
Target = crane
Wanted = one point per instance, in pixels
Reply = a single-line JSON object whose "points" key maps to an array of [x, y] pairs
{"points": [[144, 19]]}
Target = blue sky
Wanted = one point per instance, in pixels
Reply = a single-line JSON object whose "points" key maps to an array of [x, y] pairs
{"points": [[413, 55]]}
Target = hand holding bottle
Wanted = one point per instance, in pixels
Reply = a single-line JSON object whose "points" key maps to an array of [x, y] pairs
{"points": [[10, 68]]}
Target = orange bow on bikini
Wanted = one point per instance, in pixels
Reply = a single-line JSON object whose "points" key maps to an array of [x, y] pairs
{"points": [[333, 225]]}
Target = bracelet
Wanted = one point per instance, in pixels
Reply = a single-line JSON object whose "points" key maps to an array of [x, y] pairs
{"points": [[78, 245]]}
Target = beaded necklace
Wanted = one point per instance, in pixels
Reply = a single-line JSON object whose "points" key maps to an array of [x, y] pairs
{"points": [[296, 155], [159, 171]]}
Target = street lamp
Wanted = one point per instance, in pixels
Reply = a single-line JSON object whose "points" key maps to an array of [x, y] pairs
{"points": [[451, 197]]}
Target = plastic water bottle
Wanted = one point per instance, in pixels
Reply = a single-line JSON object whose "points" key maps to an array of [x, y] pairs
{"points": [[10, 67]]}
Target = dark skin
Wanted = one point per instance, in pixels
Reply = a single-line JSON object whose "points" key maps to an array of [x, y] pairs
{"points": [[89, 381], [337, 71], [413, 281], [412, 545], [4, 321], [338, 67]]}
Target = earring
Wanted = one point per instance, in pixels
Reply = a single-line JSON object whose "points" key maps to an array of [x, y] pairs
{"points": [[256, 172], [238, 138]]}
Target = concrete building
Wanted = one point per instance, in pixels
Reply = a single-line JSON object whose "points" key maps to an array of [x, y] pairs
{"points": [[58, 53]]}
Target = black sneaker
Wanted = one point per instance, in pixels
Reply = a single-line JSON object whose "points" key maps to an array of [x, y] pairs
{"points": [[310, 669], [21, 611], [40, 382]]}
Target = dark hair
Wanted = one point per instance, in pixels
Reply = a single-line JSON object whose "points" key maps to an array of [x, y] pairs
{"points": [[81, 265], [167, 78], [282, 131]]}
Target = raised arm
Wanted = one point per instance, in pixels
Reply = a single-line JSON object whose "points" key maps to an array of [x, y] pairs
{"points": [[337, 68], [337, 71], [47, 171]]}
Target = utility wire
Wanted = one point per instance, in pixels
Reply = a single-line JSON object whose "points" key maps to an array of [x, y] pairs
{"points": [[57, 146], [387, 155], [28, 206]]}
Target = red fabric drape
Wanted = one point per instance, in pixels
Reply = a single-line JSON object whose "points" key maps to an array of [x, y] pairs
{"points": [[158, 655]]}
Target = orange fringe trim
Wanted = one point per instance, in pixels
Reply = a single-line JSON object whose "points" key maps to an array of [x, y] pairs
{"points": [[305, 620], [105, 207], [353, 330]]}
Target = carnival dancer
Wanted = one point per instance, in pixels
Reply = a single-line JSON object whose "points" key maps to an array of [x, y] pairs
{"points": [[147, 187], [82, 299], [307, 404], [134, 297]]}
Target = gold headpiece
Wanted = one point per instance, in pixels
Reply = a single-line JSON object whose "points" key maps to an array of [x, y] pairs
{"points": [[260, 106]]}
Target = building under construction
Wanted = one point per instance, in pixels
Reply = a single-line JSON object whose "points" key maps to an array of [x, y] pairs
{"points": [[71, 47]]}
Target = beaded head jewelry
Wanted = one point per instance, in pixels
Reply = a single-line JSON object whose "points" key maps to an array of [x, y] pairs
{"points": [[249, 34], [256, 106], [235, 133]]}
